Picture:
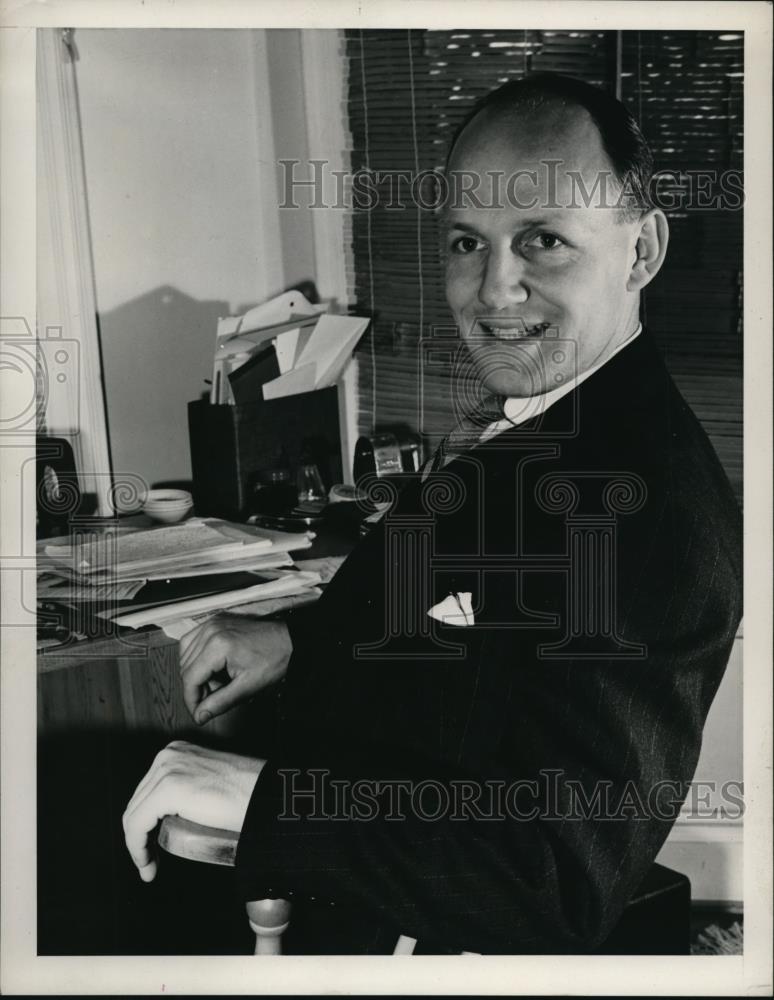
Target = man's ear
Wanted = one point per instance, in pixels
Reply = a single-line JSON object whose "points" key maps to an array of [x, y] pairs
{"points": [[650, 248]]}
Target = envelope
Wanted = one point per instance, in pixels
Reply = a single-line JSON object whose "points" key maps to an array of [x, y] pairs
{"points": [[239, 337], [286, 308], [319, 356], [333, 340], [292, 382], [311, 346]]}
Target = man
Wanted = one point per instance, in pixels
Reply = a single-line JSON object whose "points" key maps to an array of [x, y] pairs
{"points": [[586, 536]]}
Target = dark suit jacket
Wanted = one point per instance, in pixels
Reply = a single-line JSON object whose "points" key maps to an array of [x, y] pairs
{"points": [[602, 546]]}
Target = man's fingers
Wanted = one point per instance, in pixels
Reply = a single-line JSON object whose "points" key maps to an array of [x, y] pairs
{"points": [[143, 815], [148, 873], [221, 700], [150, 777], [210, 661], [191, 644], [189, 639], [210, 787]]}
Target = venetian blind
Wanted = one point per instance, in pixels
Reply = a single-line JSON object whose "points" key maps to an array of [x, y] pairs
{"points": [[686, 89], [407, 92]]}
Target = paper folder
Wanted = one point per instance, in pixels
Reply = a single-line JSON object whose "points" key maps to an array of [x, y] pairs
{"points": [[321, 360]]}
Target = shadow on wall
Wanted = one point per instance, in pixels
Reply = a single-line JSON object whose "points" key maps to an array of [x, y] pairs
{"points": [[156, 354]]}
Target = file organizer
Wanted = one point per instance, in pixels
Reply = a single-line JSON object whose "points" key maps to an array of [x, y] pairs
{"points": [[230, 445]]}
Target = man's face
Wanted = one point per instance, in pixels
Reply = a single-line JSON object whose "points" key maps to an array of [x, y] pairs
{"points": [[528, 264]]}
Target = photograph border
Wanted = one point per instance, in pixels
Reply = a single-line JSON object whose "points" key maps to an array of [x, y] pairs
{"points": [[21, 970]]}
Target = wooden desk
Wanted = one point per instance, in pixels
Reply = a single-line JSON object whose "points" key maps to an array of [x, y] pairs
{"points": [[130, 683]]}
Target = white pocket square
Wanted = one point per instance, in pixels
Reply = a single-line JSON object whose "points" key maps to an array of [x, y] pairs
{"points": [[456, 609]]}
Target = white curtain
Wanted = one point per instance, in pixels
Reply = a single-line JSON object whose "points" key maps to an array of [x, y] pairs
{"points": [[71, 400]]}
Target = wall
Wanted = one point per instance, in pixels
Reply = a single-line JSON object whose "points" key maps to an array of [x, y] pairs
{"points": [[290, 142], [706, 842], [179, 163]]}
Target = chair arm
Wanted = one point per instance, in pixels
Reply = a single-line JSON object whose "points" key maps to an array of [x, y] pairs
{"points": [[194, 842], [269, 918]]}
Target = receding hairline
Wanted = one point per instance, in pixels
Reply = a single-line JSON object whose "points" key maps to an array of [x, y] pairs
{"points": [[542, 96], [551, 115]]}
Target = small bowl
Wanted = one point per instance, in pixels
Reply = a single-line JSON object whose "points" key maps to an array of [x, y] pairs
{"points": [[167, 506]]}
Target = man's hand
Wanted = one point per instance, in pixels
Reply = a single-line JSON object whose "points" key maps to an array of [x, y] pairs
{"points": [[253, 653], [204, 786]]}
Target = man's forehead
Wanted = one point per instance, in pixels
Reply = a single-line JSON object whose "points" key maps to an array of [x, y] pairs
{"points": [[552, 164], [519, 140], [522, 124], [578, 224]]}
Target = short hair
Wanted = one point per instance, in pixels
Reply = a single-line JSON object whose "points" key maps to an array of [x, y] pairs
{"points": [[621, 136]]}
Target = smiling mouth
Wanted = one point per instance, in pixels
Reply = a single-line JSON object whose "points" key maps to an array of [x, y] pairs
{"points": [[515, 329]]}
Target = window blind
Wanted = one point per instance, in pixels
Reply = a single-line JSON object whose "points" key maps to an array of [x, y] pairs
{"points": [[686, 88], [408, 91]]}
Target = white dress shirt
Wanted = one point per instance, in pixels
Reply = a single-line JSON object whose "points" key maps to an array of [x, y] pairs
{"points": [[517, 410]]}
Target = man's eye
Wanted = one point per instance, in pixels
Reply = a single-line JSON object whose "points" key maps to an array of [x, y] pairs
{"points": [[466, 244], [545, 241]]}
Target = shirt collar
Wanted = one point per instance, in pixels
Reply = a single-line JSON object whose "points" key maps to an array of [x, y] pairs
{"points": [[518, 411]]}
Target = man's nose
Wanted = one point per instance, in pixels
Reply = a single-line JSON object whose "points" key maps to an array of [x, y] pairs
{"points": [[502, 283]]}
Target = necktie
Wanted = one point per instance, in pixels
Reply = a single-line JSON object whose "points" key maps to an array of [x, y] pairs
{"points": [[467, 433]]}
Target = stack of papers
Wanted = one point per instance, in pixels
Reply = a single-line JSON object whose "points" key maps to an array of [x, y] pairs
{"points": [[158, 575], [291, 582], [176, 628], [280, 348], [140, 551], [199, 545]]}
